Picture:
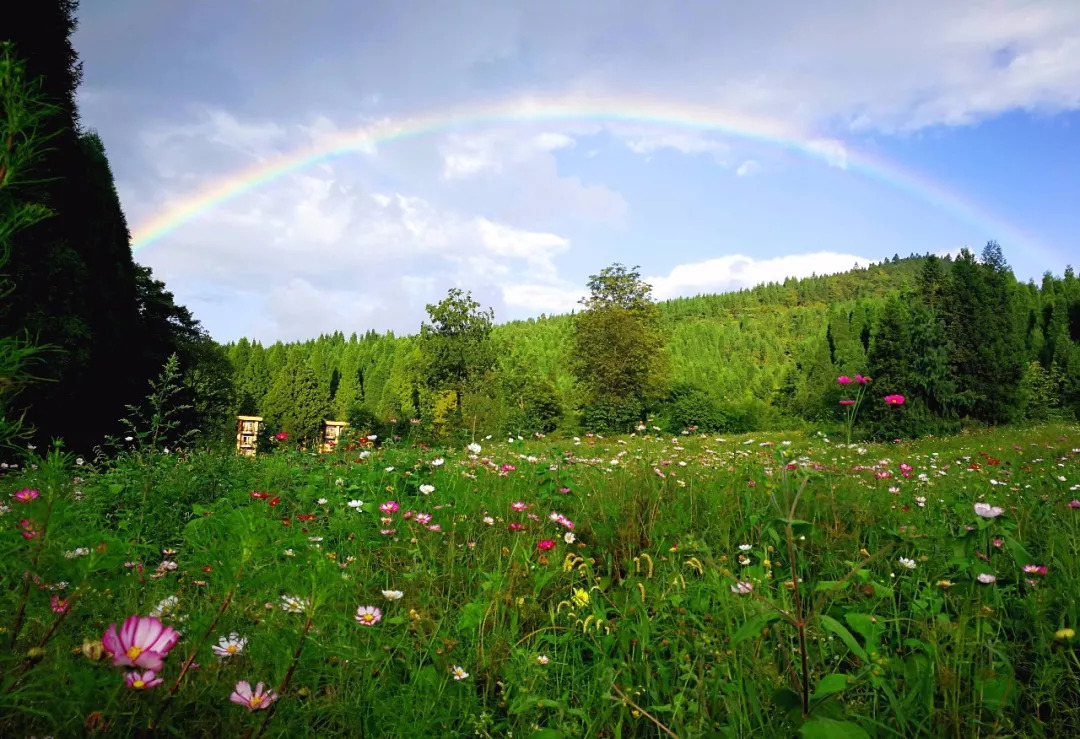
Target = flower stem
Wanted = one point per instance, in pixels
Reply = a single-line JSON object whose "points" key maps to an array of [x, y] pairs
{"points": [[288, 678]]}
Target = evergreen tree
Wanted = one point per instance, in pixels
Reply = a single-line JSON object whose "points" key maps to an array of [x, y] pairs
{"points": [[296, 403]]}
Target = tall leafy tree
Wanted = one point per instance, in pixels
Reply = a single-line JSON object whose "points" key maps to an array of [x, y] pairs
{"points": [[618, 355], [456, 346]]}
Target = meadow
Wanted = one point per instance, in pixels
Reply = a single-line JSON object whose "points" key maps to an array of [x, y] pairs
{"points": [[643, 585]]}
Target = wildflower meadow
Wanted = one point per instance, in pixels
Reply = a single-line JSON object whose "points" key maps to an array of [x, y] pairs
{"points": [[634, 585]]}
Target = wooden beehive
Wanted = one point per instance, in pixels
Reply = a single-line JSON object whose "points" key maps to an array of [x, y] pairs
{"points": [[331, 430], [247, 434]]}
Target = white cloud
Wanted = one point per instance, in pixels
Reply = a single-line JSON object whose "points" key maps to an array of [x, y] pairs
{"points": [[832, 151], [685, 142], [738, 271], [540, 298], [747, 168]]}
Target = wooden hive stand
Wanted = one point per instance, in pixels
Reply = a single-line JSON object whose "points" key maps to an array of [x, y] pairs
{"points": [[247, 434], [331, 430]]}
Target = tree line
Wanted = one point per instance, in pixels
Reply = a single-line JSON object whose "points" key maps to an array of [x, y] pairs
{"points": [[961, 339]]}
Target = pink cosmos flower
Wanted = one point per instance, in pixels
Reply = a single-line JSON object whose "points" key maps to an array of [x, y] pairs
{"points": [[1074, 503], [253, 700], [545, 544], [389, 506], [986, 578], [281, 436], [57, 605], [516, 526], [1035, 569], [844, 380], [26, 495], [142, 641], [742, 588], [861, 380], [894, 399], [142, 680], [423, 518], [847, 402], [518, 506], [368, 615]]}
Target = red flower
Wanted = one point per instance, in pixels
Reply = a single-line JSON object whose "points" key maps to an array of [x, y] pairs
{"points": [[306, 517], [545, 544], [275, 500], [258, 494]]}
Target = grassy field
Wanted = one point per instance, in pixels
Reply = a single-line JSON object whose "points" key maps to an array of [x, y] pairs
{"points": [[603, 587]]}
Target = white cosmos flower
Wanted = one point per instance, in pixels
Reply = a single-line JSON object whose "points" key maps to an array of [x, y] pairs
{"points": [[742, 588], [437, 462], [744, 547], [908, 563], [568, 537], [356, 504], [229, 646], [293, 604], [986, 578], [392, 594], [474, 448], [458, 672], [988, 511], [427, 489]]}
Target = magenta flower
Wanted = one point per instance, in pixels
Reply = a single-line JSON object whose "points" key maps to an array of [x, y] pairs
{"points": [[57, 605], [1035, 569], [545, 544], [847, 402], [142, 680], [516, 526], [1074, 503], [253, 700], [142, 641], [26, 495], [389, 506], [844, 380], [894, 399], [861, 380]]}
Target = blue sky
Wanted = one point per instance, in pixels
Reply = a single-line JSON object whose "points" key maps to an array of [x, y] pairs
{"points": [[981, 98]]}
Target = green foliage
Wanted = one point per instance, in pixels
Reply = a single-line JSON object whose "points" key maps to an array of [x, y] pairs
{"points": [[21, 146], [296, 402]]}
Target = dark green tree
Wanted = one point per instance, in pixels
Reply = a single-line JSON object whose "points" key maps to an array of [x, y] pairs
{"points": [[296, 402]]}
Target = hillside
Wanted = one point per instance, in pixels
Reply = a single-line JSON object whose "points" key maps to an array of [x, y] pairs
{"points": [[756, 358]]}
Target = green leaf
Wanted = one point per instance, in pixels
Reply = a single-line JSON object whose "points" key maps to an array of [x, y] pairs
{"points": [[866, 628], [1020, 555], [115, 488], [831, 624], [787, 698], [547, 734], [831, 685], [754, 626], [827, 728]]}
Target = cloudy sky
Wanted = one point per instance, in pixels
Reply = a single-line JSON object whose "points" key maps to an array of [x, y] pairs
{"points": [[717, 144]]}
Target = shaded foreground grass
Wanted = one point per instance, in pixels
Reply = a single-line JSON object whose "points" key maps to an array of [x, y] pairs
{"points": [[636, 586]]}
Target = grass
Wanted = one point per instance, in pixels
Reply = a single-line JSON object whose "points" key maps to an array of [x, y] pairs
{"points": [[638, 627]]}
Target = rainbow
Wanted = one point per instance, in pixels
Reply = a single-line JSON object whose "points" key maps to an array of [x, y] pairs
{"points": [[577, 109]]}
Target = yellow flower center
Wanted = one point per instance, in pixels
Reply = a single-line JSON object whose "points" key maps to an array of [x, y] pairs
{"points": [[368, 617], [138, 683], [231, 649], [256, 701], [134, 652]]}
